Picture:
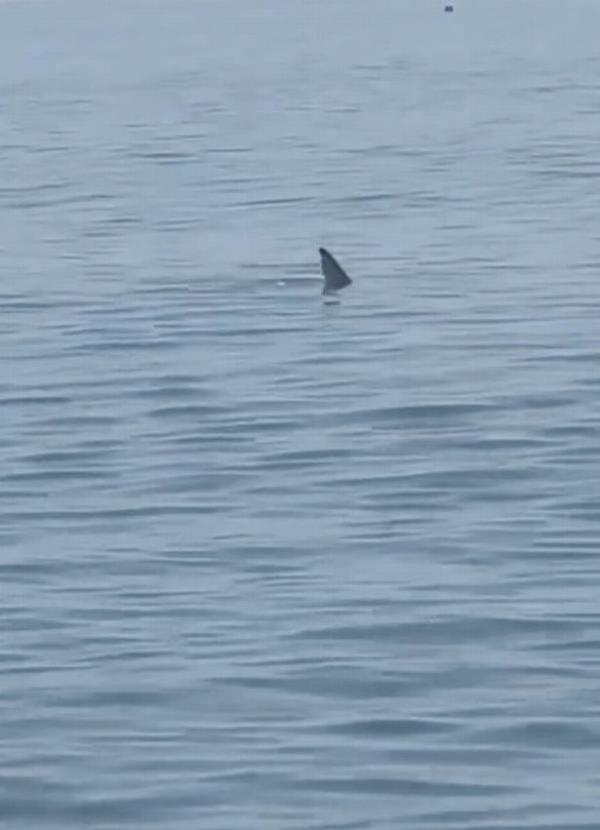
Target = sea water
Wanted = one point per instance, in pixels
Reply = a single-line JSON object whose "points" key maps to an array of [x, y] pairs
{"points": [[270, 564]]}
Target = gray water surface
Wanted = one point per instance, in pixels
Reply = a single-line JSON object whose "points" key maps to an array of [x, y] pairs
{"points": [[267, 564]]}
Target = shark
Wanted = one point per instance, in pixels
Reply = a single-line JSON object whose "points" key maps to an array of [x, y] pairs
{"points": [[334, 275]]}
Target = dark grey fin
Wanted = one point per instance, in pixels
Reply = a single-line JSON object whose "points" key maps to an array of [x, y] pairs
{"points": [[333, 273]]}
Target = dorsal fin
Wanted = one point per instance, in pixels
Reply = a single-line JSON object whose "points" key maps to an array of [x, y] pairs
{"points": [[333, 273]]}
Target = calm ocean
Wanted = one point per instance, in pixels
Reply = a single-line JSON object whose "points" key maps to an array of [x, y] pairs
{"points": [[270, 564]]}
